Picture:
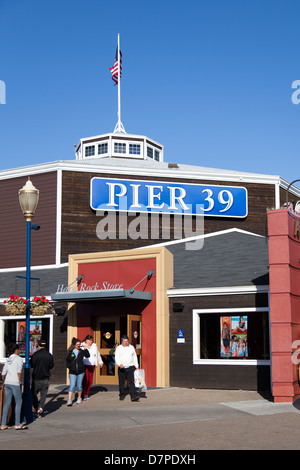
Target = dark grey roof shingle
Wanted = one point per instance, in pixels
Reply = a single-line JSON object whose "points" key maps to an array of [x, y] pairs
{"points": [[231, 259]]}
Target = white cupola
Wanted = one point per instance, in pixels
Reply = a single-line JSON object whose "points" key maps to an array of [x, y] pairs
{"points": [[120, 146]]}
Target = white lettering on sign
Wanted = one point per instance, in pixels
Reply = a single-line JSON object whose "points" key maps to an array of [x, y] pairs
{"points": [[135, 196], [153, 194], [85, 287], [179, 198], [112, 193], [177, 195]]}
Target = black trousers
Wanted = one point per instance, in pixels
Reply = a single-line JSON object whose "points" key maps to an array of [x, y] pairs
{"points": [[39, 387], [127, 373]]}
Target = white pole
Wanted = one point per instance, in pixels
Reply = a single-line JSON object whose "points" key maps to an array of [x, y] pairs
{"points": [[119, 126], [119, 86]]}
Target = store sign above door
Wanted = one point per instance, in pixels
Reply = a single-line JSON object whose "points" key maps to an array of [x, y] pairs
{"points": [[168, 198]]}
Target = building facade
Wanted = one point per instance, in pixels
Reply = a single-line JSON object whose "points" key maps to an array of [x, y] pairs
{"points": [[174, 255]]}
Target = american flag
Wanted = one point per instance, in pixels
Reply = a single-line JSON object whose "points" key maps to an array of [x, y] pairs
{"points": [[115, 69]]}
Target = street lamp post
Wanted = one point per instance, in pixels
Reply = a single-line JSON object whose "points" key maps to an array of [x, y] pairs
{"points": [[28, 197]]}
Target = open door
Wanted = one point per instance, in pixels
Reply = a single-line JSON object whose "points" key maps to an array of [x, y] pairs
{"points": [[134, 333], [107, 339]]}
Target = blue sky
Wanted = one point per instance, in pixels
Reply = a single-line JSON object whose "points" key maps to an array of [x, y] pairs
{"points": [[209, 79]]}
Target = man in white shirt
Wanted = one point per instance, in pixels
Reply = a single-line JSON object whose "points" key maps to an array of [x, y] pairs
{"points": [[126, 360]]}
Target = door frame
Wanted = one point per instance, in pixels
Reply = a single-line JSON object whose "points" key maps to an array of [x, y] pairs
{"points": [[106, 379], [139, 351]]}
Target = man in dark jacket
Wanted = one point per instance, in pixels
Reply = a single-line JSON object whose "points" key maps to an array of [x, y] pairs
{"points": [[41, 362]]}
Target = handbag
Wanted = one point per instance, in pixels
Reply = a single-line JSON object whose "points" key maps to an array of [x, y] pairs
{"points": [[139, 379]]}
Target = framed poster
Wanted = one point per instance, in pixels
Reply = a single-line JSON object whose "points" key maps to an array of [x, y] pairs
{"points": [[225, 336], [234, 339], [239, 339], [20, 336], [35, 335]]}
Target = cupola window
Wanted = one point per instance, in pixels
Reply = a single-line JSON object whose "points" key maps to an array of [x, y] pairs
{"points": [[90, 151], [119, 147], [102, 148], [149, 152], [134, 149]]}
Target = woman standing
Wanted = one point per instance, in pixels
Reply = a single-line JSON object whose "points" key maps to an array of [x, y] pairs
{"points": [[11, 376], [90, 363], [76, 368]]}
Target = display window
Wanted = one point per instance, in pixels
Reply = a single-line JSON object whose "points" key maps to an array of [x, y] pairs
{"points": [[13, 330], [231, 336]]}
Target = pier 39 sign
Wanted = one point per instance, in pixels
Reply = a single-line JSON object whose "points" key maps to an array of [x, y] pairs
{"points": [[167, 197]]}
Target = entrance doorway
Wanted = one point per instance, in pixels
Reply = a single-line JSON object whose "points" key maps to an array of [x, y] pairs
{"points": [[107, 339], [134, 333], [108, 336]]}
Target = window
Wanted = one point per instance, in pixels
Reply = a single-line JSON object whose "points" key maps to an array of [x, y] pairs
{"points": [[156, 153], [150, 152], [90, 150], [231, 335], [13, 331], [102, 148], [134, 149], [119, 147]]}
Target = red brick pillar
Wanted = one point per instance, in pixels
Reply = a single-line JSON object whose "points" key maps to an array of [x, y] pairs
{"points": [[284, 260]]}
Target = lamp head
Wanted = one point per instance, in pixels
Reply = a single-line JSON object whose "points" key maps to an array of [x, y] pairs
{"points": [[29, 198]]}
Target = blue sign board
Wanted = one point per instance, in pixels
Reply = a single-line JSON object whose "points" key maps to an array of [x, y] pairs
{"points": [[168, 197], [180, 334]]}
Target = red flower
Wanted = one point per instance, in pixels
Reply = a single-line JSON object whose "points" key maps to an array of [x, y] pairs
{"points": [[16, 300]]}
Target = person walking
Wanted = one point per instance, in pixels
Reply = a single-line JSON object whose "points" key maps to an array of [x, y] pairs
{"points": [[126, 360], [41, 362], [90, 363], [12, 378], [76, 368]]}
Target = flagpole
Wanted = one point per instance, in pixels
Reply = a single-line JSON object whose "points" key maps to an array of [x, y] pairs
{"points": [[119, 87], [119, 129]]}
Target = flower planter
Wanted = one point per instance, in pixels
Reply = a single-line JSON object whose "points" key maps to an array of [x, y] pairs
{"points": [[40, 310], [16, 309], [16, 305]]}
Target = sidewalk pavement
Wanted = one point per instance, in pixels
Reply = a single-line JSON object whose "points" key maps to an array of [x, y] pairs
{"points": [[107, 396], [168, 418]]}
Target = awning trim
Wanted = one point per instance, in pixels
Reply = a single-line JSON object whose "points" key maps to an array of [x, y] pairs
{"points": [[95, 295]]}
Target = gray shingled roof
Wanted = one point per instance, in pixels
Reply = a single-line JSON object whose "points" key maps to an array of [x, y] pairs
{"points": [[230, 259]]}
